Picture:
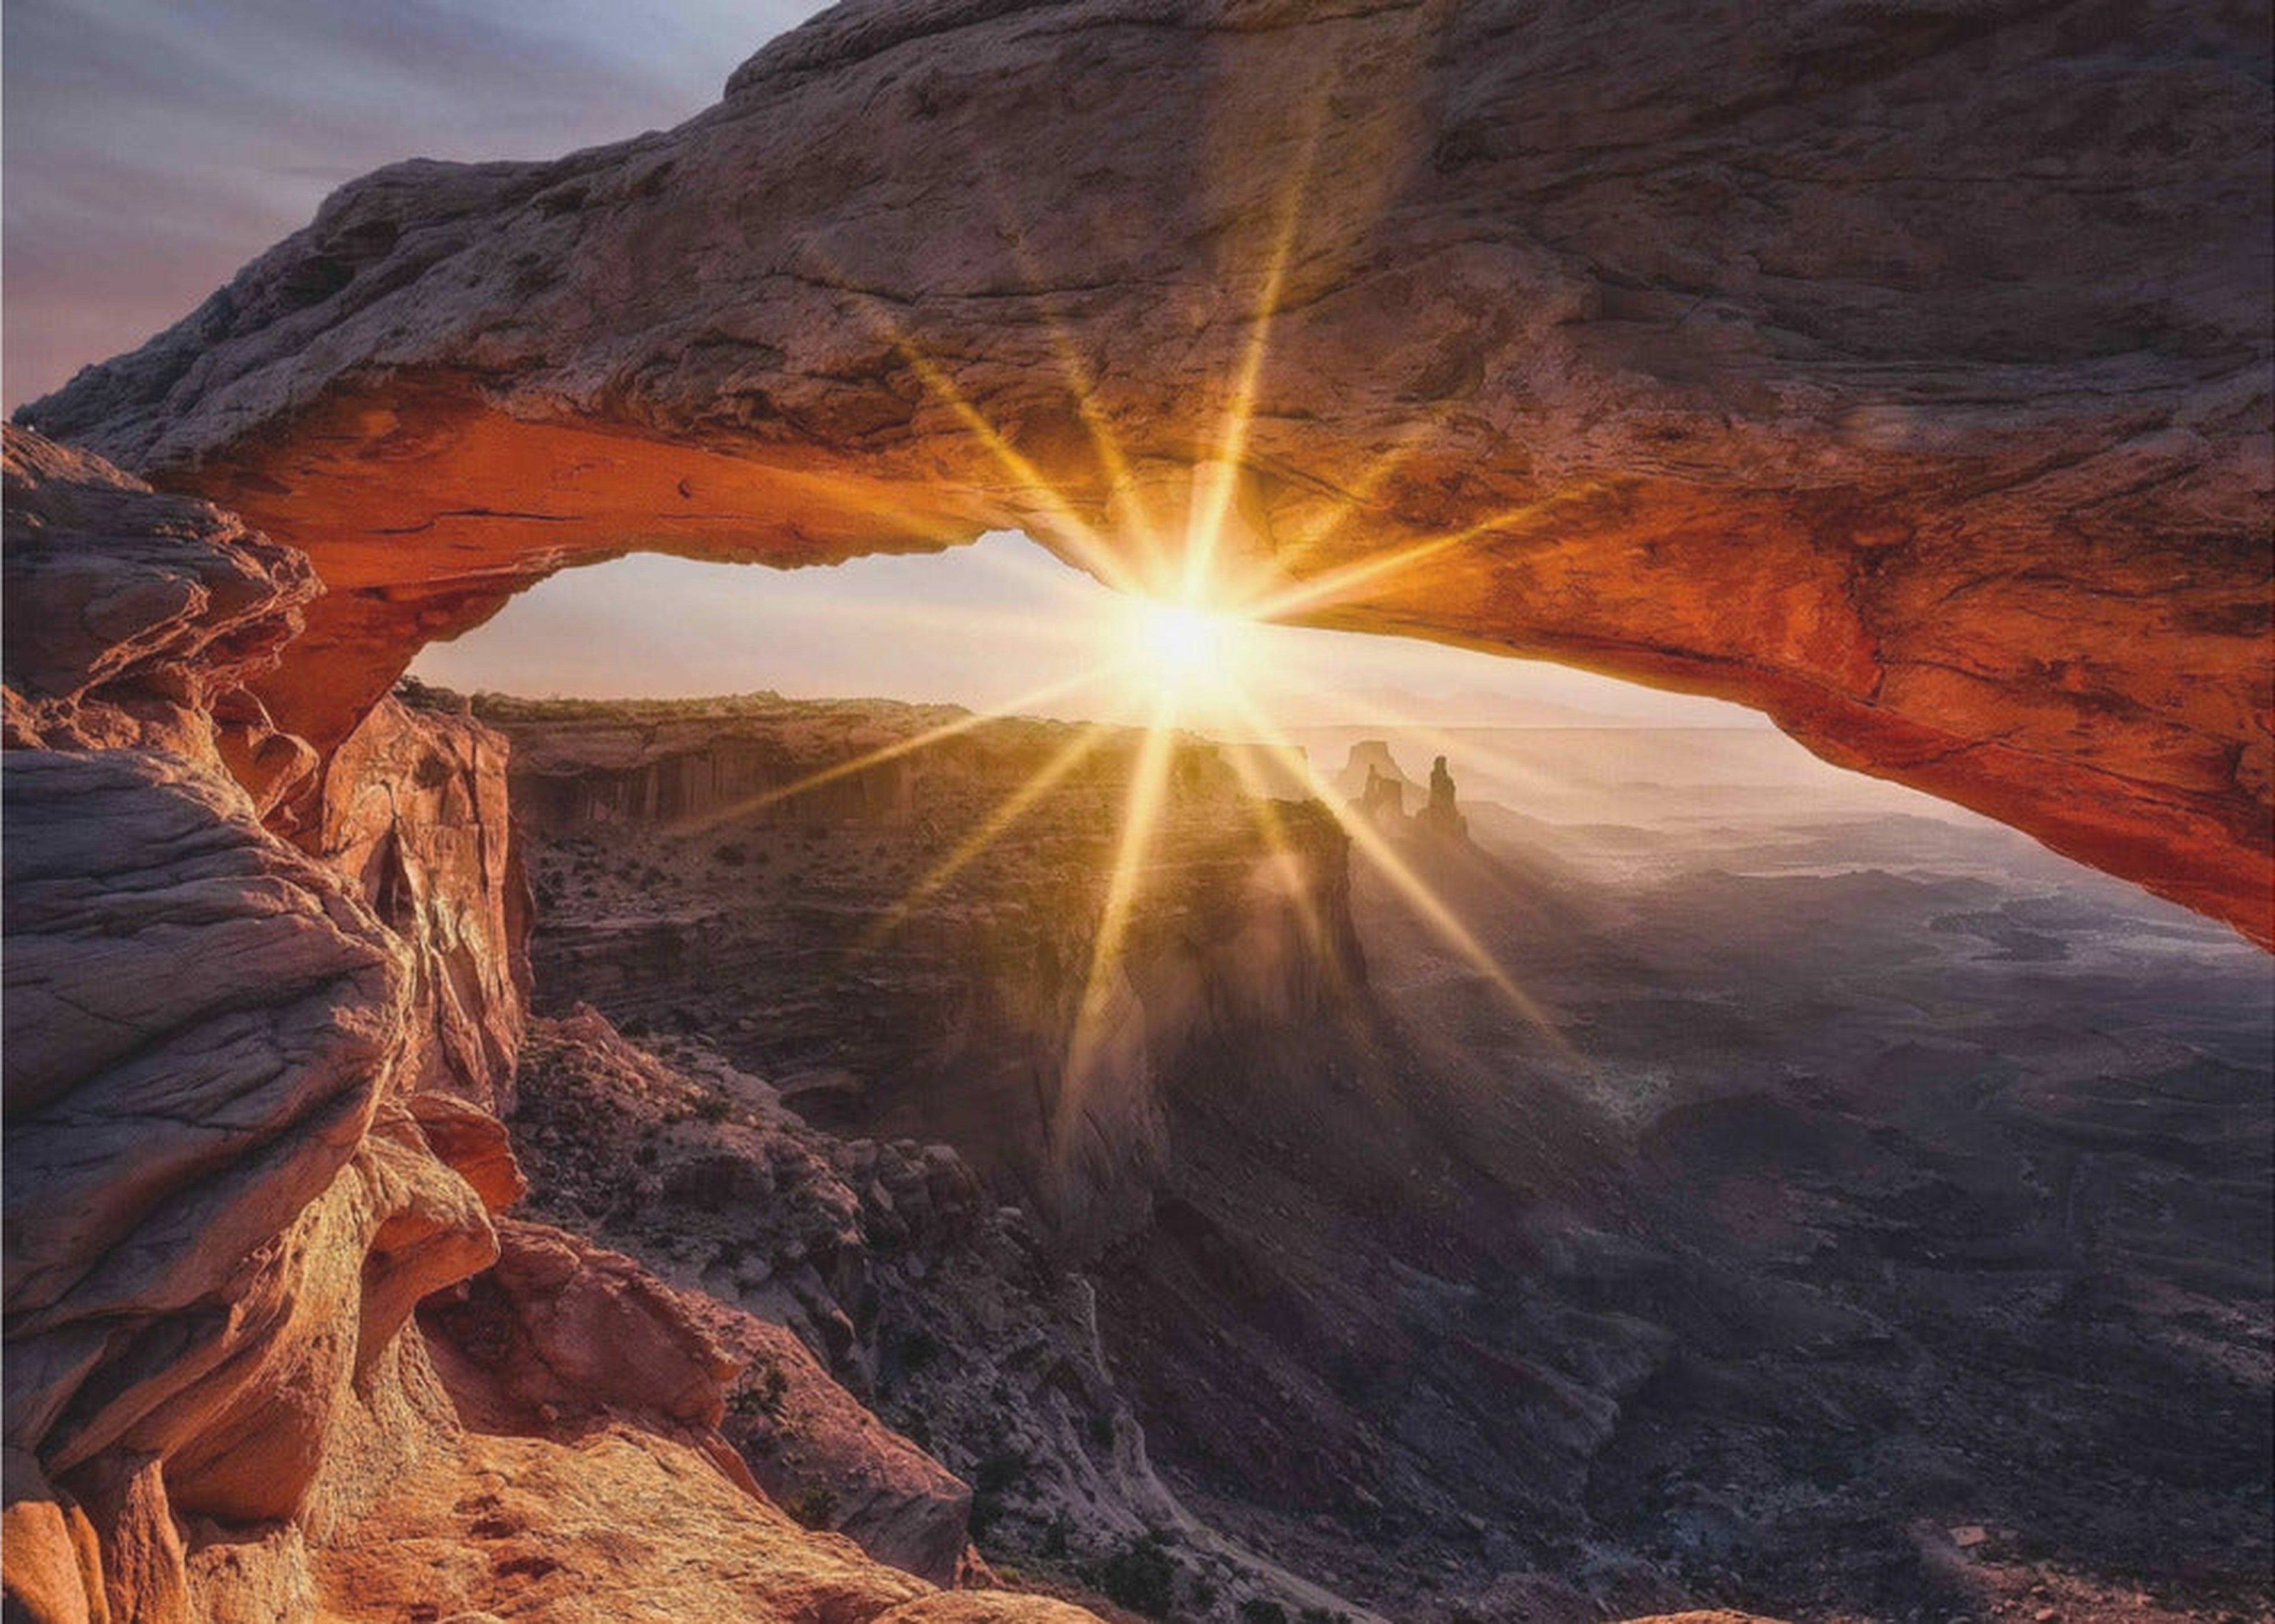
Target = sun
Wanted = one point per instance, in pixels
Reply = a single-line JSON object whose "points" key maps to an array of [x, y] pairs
{"points": [[1183, 645], [1181, 659]]}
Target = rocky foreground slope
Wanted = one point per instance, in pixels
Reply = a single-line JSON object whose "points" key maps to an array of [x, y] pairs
{"points": [[250, 1128]]}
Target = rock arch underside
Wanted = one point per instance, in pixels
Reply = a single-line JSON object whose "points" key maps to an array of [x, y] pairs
{"points": [[1903, 372]]}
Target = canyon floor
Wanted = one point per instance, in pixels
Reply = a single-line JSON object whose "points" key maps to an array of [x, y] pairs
{"points": [[1855, 1213]]}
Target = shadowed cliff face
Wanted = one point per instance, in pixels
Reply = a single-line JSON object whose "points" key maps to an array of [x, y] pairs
{"points": [[1899, 371], [824, 936]]}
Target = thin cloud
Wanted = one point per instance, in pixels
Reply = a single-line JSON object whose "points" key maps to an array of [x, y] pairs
{"points": [[153, 146]]}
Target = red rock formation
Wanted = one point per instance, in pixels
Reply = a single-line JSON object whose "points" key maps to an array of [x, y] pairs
{"points": [[415, 808], [620, 1526], [217, 1212], [558, 1334], [813, 1447], [1901, 372]]}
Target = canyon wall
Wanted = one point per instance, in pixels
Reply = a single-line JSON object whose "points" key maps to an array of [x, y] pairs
{"points": [[1898, 370], [710, 868]]}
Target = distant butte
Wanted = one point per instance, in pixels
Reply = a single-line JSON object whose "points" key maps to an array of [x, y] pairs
{"points": [[1901, 372]]}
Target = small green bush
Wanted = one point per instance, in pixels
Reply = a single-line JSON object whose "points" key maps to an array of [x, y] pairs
{"points": [[813, 1507], [1141, 1576], [763, 1397]]}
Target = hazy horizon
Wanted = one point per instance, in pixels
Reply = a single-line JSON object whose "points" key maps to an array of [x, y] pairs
{"points": [[982, 626]]}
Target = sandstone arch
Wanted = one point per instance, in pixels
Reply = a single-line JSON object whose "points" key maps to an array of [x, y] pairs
{"points": [[1901, 370]]}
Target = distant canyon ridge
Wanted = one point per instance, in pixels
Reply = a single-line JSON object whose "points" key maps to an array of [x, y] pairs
{"points": [[1900, 371]]}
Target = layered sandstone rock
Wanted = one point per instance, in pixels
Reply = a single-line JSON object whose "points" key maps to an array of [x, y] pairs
{"points": [[138, 618], [620, 1526], [207, 1236], [220, 1210], [1899, 371]]}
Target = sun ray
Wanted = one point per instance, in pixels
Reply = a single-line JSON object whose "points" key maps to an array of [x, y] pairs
{"points": [[1350, 496], [1095, 553], [1215, 488], [1141, 809], [985, 834], [1340, 585], [898, 748], [1416, 893], [1081, 380], [1264, 811], [1068, 526]]}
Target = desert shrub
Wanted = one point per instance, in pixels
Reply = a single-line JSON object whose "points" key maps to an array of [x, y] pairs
{"points": [[813, 1507], [918, 1349], [763, 1396], [1256, 1609], [712, 1108], [1142, 1577], [733, 853], [1055, 1537]]}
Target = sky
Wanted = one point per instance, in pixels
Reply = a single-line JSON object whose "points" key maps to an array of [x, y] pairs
{"points": [[151, 148], [986, 626]]}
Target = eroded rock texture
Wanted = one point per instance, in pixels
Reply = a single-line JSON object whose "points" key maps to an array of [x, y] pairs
{"points": [[1899, 370], [414, 808], [137, 618]]}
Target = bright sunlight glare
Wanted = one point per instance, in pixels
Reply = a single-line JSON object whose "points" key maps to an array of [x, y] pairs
{"points": [[1183, 648]]}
